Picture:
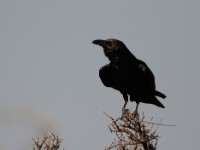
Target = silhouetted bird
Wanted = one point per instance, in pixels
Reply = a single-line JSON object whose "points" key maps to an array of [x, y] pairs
{"points": [[131, 76]]}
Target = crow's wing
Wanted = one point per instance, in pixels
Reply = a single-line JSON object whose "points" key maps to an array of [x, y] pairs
{"points": [[105, 75], [112, 76], [146, 74]]}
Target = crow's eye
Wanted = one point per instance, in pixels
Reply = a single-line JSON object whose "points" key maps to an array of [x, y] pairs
{"points": [[109, 43]]}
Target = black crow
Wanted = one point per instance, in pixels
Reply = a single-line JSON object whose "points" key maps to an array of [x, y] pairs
{"points": [[127, 74]]}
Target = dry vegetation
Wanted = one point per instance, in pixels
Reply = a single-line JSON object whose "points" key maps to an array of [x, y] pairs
{"points": [[49, 141], [133, 132]]}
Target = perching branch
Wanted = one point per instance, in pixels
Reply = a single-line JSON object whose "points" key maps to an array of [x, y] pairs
{"points": [[133, 132]]}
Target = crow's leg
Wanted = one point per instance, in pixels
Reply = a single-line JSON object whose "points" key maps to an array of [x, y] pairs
{"points": [[136, 109], [126, 101], [125, 96]]}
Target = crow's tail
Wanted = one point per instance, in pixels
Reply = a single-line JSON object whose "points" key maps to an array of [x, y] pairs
{"points": [[157, 103], [157, 93]]}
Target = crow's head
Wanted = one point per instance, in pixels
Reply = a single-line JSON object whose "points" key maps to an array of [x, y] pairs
{"points": [[113, 48]]}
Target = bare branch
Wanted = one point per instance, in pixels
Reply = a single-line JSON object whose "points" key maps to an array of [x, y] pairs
{"points": [[133, 132], [49, 141]]}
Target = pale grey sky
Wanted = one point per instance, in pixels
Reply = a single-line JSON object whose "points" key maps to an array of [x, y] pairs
{"points": [[49, 68]]}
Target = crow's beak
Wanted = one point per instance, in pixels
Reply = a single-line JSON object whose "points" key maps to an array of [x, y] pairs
{"points": [[99, 42]]}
